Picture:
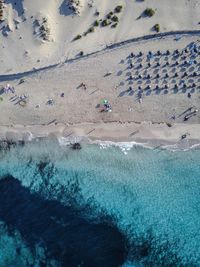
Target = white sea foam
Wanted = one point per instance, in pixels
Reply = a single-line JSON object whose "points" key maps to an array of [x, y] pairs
{"points": [[124, 146], [63, 141]]}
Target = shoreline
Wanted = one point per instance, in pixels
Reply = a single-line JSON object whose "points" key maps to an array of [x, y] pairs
{"points": [[146, 134]]}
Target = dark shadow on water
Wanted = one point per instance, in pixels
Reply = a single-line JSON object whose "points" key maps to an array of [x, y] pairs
{"points": [[68, 238]]}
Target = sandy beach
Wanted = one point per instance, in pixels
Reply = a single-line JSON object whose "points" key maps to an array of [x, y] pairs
{"points": [[57, 91], [99, 133]]}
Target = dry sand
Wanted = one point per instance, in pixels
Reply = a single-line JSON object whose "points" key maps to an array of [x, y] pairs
{"points": [[25, 56], [23, 48]]}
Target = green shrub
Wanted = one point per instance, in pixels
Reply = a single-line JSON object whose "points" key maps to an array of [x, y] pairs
{"points": [[91, 30], [104, 23], [108, 16], [157, 27], [118, 9], [114, 25], [111, 13], [77, 37], [1, 98], [96, 23], [115, 19], [81, 53], [149, 12]]}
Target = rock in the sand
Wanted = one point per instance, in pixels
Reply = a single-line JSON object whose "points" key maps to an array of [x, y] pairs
{"points": [[76, 146], [8, 144]]}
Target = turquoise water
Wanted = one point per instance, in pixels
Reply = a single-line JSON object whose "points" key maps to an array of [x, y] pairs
{"points": [[151, 196]]}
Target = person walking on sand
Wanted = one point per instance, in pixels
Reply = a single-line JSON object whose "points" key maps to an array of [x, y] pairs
{"points": [[83, 86]]}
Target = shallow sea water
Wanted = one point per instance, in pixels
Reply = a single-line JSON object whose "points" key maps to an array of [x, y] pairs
{"points": [[99, 207]]}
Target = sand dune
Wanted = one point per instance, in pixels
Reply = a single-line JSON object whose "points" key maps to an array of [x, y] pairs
{"points": [[17, 31]]}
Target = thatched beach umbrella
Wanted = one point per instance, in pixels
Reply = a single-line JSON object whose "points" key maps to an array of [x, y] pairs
{"points": [[185, 74], [194, 74], [194, 85], [76, 146]]}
